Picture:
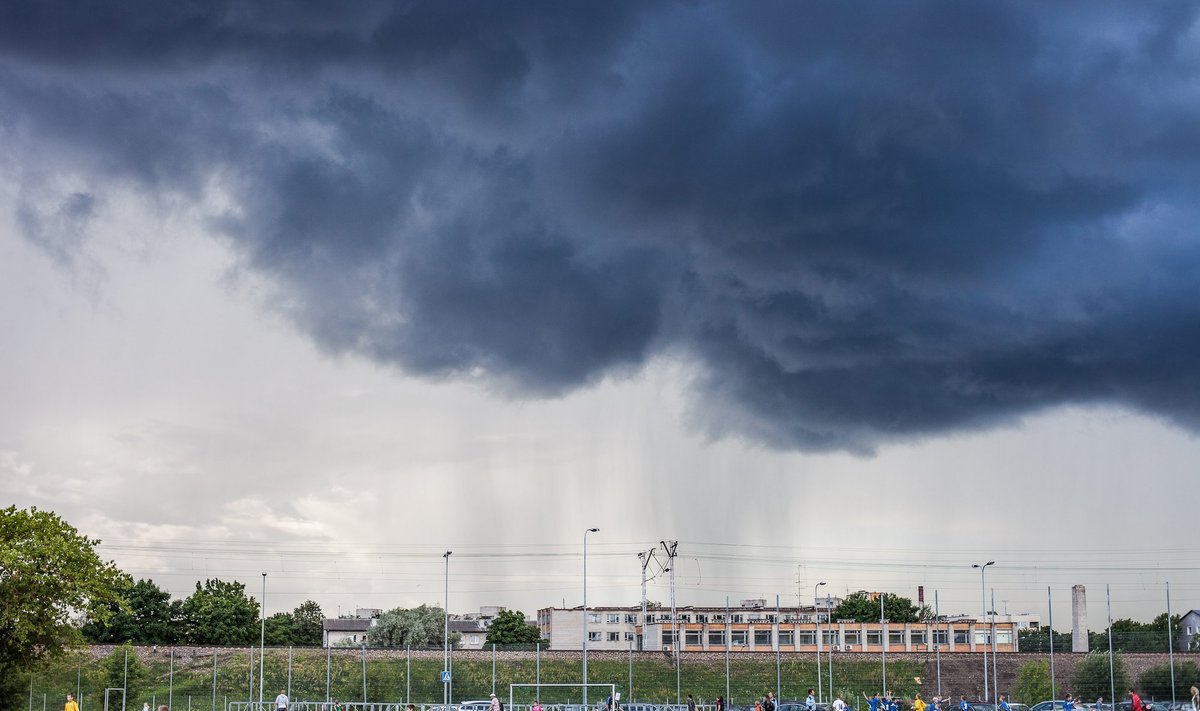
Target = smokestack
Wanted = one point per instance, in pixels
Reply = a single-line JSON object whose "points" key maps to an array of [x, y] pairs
{"points": [[920, 596], [1079, 632]]}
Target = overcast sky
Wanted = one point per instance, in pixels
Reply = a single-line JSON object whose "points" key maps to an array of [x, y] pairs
{"points": [[825, 292]]}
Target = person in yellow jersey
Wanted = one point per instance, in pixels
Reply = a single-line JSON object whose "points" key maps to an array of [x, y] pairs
{"points": [[70, 705], [919, 703]]}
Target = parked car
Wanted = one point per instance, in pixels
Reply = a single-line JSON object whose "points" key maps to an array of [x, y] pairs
{"points": [[484, 705], [640, 706]]}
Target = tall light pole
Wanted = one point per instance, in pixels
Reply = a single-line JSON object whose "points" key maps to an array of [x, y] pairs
{"points": [[818, 611], [262, 639], [446, 636], [585, 614], [983, 599]]}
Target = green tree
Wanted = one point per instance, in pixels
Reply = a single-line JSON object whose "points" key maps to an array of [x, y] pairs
{"points": [[49, 574], [510, 627], [861, 608], [1091, 676], [219, 612], [1033, 683], [280, 629], [1038, 640], [114, 673], [421, 626], [1133, 636], [1155, 682], [308, 623], [147, 616]]}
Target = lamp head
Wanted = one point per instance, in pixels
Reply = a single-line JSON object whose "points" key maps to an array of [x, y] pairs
{"points": [[593, 530], [820, 584], [447, 554]]}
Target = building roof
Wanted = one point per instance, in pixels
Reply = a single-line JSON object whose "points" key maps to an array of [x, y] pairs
{"points": [[467, 626], [346, 625]]}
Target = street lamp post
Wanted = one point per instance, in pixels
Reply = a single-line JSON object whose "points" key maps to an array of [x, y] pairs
{"points": [[446, 635], [818, 611], [983, 600], [585, 614], [262, 639]]}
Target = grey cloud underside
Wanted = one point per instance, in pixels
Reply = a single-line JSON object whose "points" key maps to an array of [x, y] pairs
{"points": [[863, 226]]}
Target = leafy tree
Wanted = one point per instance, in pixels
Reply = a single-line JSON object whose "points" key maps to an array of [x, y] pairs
{"points": [[418, 627], [1038, 640], [1033, 683], [510, 627], [48, 574], [308, 623], [149, 616], [113, 673], [1091, 676], [280, 629], [1155, 682], [219, 612], [861, 608], [1133, 636]]}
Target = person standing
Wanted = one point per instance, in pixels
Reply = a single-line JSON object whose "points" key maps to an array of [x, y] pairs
{"points": [[70, 705], [691, 704], [494, 704], [838, 704], [537, 705], [1195, 699], [811, 702], [281, 701], [1136, 701], [1068, 702], [919, 703], [873, 701], [768, 703], [1003, 704], [720, 703], [963, 704]]}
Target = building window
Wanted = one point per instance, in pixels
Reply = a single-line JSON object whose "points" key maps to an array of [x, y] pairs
{"points": [[735, 618], [787, 637], [739, 637], [631, 619], [896, 638], [918, 637], [613, 619], [667, 638], [716, 638], [614, 636], [874, 637], [772, 619], [1004, 637], [628, 636], [702, 618], [595, 636], [691, 637], [960, 636], [829, 637], [981, 637], [941, 637], [806, 637], [594, 618], [685, 618], [762, 638], [719, 619], [852, 636]]}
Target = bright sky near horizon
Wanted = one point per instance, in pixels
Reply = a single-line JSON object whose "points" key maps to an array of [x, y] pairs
{"points": [[323, 292]]}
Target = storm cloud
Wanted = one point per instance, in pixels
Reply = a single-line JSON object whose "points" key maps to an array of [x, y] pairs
{"points": [[861, 223]]}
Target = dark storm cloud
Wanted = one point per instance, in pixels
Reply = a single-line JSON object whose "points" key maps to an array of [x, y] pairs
{"points": [[864, 223]]}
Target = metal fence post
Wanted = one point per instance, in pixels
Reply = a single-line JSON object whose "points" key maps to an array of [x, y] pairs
{"points": [[408, 674], [493, 667], [171, 681], [1050, 627], [214, 684], [629, 691], [328, 654], [364, 669], [289, 686], [1170, 644]]}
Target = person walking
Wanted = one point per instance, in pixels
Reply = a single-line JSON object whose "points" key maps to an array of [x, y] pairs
{"points": [[1136, 701], [1195, 699], [281, 701], [1003, 704]]}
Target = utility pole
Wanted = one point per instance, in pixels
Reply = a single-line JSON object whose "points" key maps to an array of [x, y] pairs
{"points": [[669, 549]]}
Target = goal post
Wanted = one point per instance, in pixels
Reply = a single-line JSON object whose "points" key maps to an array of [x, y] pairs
{"points": [[524, 694]]}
